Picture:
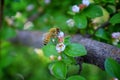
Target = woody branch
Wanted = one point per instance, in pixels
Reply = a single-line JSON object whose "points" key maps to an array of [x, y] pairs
{"points": [[97, 51]]}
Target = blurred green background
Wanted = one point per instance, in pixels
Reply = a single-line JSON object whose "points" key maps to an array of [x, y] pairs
{"points": [[19, 62]]}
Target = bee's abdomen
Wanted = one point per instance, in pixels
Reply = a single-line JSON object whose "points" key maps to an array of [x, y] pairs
{"points": [[47, 39]]}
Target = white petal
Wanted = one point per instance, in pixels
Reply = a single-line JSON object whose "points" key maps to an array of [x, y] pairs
{"points": [[75, 8], [18, 15], [86, 2], [47, 1], [70, 22], [30, 7], [61, 34], [116, 35], [60, 47], [28, 25]]}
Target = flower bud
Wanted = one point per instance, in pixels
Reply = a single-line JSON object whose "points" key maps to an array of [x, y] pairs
{"points": [[59, 58], [52, 57]]}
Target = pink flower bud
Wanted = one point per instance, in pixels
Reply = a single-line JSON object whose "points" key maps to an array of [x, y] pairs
{"points": [[59, 58], [52, 57]]}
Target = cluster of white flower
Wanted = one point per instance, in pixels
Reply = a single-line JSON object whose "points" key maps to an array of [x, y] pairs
{"points": [[28, 25], [47, 1], [18, 15], [60, 46], [76, 8], [70, 22], [30, 7], [116, 37], [9, 20]]}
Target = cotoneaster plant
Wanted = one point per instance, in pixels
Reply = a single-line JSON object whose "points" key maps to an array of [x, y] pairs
{"points": [[62, 52]]}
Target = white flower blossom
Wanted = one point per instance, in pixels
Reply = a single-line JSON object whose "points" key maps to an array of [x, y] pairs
{"points": [[75, 8], [86, 2], [60, 34], [116, 35], [60, 37], [18, 15], [28, 25], [59, 58], [30, 7], [70, 22], [60, 47], [115, 41], [115, 78], [9, 20], [47, 1], [39, 52], [116, 38]]}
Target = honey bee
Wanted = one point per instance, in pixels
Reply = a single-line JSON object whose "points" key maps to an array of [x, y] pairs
{"points": [[53, 32]]}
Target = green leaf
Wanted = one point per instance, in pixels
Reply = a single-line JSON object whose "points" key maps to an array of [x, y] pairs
{"points": [[59, 70], [75, 50], [111, 9], [67, 59], [112, 68], [109, 1], [67, 40], [115, 19], [49, 50], [101, 33], [77, 77], [93, 11], [73, 69], [71, 13], [7, 32], [80, 21]]}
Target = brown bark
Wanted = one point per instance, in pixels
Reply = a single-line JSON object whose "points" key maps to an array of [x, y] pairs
{"points": [[97, 51]]}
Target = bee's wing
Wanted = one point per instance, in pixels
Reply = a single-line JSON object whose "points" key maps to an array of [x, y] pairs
{"points": [[44, 36]]}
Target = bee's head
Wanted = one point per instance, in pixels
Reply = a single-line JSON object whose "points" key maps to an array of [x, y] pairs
{"points": [[58, 30]]}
